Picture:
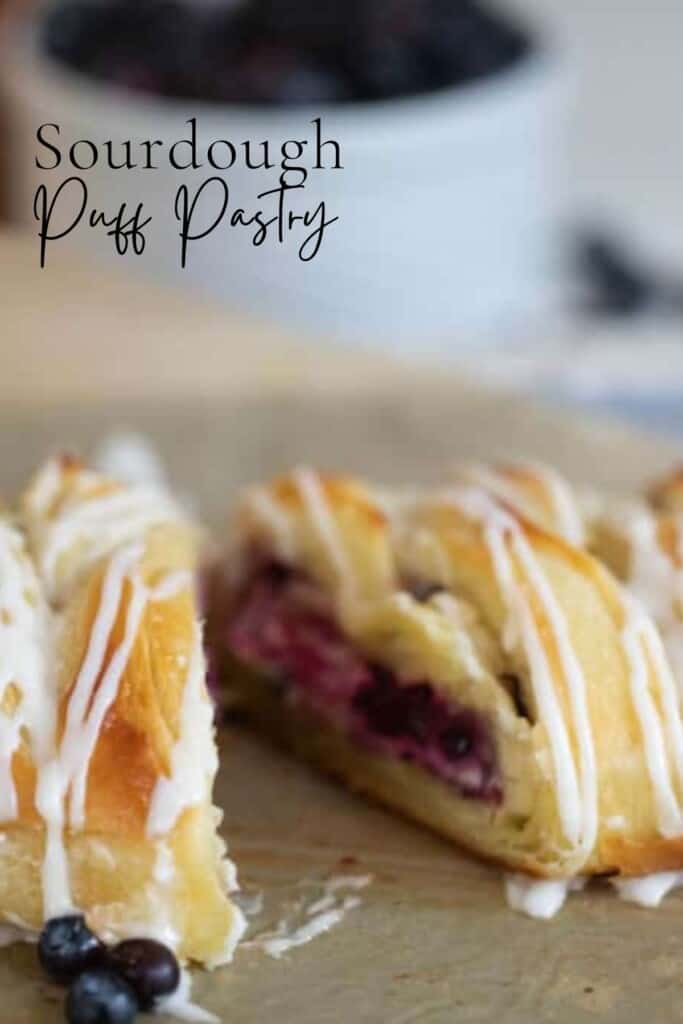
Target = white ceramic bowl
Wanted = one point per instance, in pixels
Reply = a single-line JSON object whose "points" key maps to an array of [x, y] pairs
{"points": [[447, 203]]}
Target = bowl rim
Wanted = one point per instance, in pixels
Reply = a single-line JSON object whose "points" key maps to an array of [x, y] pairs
{"points": [[31, 73]]}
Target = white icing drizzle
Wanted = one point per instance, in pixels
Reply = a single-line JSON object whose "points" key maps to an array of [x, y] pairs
{"points": [[656, 583], [655, 578], [448, 606], [131, 458], [82, 731], [66, 773], [161, 929], [576, 684], [46, 487], [268, 511], [164, 864], [56, 885], [648, 890], [160, 925], [520, 575], [499, 486], [320, 916], [171, 585], [577, 792], [89, 528], [640, 639], [250, 903], [536, 898], [669, 695], [238, 927], [94, 691], [567, 515], [540, 897], [340, 882], [315, 501], [565, 511], [180, 1005], [193, 758], [317, 925], [98, 524], [24, 637]]}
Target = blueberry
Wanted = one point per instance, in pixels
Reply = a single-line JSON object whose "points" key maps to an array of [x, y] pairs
{"points": [[390, 67], [462, 41], [101, 997], [315, 25], [68, 31], [393, 710], [149, 967], [271, 72], [259, 72], [282, 51], [456, 742], [310, 84], [67, 946], [616, 284]]}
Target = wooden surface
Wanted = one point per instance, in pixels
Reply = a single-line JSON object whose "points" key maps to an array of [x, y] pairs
{"points": [[77, 333]]}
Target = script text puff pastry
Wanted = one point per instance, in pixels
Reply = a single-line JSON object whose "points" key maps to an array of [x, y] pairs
{"points": [[107, 753], [461, 662]]}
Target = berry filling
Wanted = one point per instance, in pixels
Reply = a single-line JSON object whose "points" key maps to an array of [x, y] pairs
{"points": [[280, 624]]}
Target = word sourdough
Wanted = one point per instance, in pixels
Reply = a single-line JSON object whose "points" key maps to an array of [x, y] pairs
{"points": [[200, 205]]}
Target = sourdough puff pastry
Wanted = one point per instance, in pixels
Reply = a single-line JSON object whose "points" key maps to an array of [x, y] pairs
{"points": [[460, 655], [107, 754]]}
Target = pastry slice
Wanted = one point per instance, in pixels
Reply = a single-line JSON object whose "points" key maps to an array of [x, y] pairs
{"points": [[534, 490], [107, 750], [641, 540], [442, 653], [666, 494]]}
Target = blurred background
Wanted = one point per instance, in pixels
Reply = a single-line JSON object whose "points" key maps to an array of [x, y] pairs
{"points": [[510, 203]]}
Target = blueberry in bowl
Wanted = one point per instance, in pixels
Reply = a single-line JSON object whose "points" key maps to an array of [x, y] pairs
{"points": [[448, 116], [284, 52]]}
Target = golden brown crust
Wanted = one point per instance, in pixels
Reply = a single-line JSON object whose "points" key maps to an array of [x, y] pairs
{"points": [[142, 725], [666, 494], [445, 538], [114, 857], [534, 491], [634, 858], [420, 797]]}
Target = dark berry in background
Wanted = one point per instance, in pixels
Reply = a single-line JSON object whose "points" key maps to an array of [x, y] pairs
{"points": [[615, 283], [149, 967], [67, 946], [101, 997], [283, 52]]}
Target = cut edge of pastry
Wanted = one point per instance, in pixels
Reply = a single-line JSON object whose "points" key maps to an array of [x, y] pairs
{"points": [[604, 735], [108, 806]]}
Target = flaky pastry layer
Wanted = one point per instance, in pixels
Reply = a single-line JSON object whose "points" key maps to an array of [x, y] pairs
{"points": [[113, 767], [502, 618]]}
